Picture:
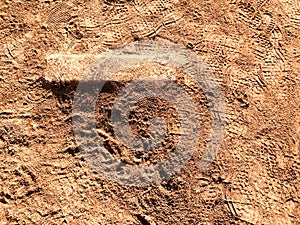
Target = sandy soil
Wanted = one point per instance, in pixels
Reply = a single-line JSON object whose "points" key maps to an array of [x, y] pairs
{"points": [[251, 47]]}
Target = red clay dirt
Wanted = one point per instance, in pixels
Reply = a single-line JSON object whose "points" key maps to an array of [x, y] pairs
{"points": [[251, 47]]}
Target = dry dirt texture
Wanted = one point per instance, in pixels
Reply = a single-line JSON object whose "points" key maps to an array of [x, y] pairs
{"points": [[253, 49]]}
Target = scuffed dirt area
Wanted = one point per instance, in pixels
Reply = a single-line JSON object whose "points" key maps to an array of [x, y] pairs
{"points": [[253, 49]]}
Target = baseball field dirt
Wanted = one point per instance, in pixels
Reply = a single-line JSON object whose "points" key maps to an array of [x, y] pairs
{"points": [[49, 47]]}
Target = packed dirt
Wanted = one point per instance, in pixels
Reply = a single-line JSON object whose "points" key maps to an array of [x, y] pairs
{"points": [[251, 47]]}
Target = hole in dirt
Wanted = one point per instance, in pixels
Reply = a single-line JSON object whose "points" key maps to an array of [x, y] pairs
{"points": [[142, 220], [140, 120]]}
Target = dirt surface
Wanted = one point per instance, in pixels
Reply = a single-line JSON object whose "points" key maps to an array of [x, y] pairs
{"points": [[251, 47]]}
